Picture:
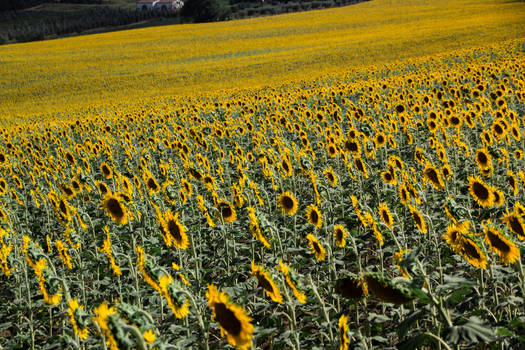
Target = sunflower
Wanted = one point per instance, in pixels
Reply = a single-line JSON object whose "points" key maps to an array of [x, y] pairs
{"points": [[330, 176], [151, 183], [344, 341], [313, 215], [288, 203], [233, 320], [106, 170], [291, 282], [340, 234], [115, 209], [480, 191], [386, 291], [352, 287], [483, 159], [286, 167], [499, 198], [266, 282], [78, 317], [226, 211], [432, 175], [499, 244], [177, 301], [102, 187], [389, 177], [472, 252], [316, 247], [187, 187], [515, 224], [418, 219], [455, 234], [385, 215], [511, 179], [360, 165], [173, 231]]}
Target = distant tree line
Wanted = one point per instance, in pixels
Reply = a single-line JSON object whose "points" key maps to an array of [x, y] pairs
{"points": [[25, 27]]}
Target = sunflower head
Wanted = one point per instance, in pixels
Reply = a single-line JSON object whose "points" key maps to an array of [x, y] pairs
{"points": [[480, 191], [226, 211], [115, 209], [232, 319], [313, 215], [288, 203], [316, 247], [340, 234], [351, 287], [266, 283]]}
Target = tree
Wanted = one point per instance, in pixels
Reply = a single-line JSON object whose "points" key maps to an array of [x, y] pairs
{"points": [[204, 10]]}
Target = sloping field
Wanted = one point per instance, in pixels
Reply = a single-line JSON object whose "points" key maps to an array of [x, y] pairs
{"points": [[376, 202], [68, 74]]}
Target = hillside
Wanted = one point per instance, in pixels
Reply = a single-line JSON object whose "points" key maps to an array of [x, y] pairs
{"points": [[130, 66]]}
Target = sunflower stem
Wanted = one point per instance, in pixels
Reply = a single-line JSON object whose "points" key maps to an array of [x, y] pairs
{"points": [[325, 312]]}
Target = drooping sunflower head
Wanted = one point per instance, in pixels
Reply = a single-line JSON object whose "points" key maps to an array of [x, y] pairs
{"points": [[232, 319], [418, 219], [316, 247], [115, 209], [266, 282], [501, 245], [432, 175], [288, 203], [472, 252], [387, 291], [351, 287], [226, 211], [313, 215], [385, 215], [480, 191], [515, 224]]}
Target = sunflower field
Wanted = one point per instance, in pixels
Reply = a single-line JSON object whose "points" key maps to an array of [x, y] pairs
{"points": [[381, 207]]}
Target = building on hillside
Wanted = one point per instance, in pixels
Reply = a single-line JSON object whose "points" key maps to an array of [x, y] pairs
{"points": [[160, 5]]}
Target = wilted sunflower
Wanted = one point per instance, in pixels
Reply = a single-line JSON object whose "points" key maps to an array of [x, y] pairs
{"points": [[515, 224], [344, 341], [226, 211], [313, 215], [351, 287], [360, 165], [385, 215], [499, 244], [386, 291], [316, 247], [480, 191], [418, 219], [330, 176], [266, 282], [232, 319], [115, 209], [173, 231], [432, 175], [288, 203], [340, 234]]}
